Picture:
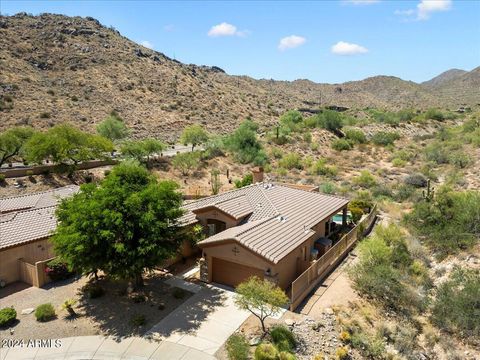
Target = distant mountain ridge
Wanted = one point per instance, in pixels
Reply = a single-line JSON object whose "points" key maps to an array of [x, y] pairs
{"points": [[55, 68]]}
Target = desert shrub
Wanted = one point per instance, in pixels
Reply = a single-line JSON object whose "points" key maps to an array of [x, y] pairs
{"points": [[434, 114], [356, 212], [365, 179], [266, 351], [2, 178], [213, 148], [384, 138], [276, 153], [329, 120], [93, 290], [328, 188], [245, 181], [342, 353], [237, 347], [8, 316], [138, 320], [459, 159], [370, 346], [291, 120], [307, 137], [283, 338], [45, 312], [456, 306], [398, 162], [57, 270], [404, 155], [404, 192], [320, 167], [381, 273], [437, 153], [448, 223], [244, 145], [179, 293], [416, 180], [381, 191], [314, 146], [356, 136], [285, 355], [290, 161], [45, 115], [345, 337], [341, 145]]}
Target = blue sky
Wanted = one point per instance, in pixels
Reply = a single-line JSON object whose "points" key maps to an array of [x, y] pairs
{"points": [[324, 41]]}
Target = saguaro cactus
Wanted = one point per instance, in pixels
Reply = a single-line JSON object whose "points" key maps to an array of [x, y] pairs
{"points": [[430, 193]]}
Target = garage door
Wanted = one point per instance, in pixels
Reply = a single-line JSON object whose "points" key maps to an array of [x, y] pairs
{"points": [[231, 274]]}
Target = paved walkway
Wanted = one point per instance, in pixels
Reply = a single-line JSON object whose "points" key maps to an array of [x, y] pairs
{"points": [[193, 331]]}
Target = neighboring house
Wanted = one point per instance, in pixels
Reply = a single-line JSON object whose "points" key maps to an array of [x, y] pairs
{"points": [[26, 223], [267, 230]]}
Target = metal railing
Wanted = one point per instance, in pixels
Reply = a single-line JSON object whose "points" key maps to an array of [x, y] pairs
{"points": [[302, 285]]}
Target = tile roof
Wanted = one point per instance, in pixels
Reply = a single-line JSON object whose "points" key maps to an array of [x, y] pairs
{"points": [[237, 207], [36, 200], [281, 220], [30, 217], [27, 226]]}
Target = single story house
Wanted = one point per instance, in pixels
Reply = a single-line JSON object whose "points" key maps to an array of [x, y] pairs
{"points": [[26, 223], [264, 229]]}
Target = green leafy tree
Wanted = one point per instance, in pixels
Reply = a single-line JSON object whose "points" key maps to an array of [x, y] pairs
{"points": [[186, 162], [244, 145], [141, 150], [123, 226], [194, 135], [260, 297], [113, 128], [291, 120], [12, 142], [64, 143]]}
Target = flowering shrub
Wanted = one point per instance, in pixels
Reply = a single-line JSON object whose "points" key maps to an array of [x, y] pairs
{"points": [[57, 270]]}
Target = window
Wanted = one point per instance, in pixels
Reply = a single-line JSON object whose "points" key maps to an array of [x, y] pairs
{"points": [[211, 229]]}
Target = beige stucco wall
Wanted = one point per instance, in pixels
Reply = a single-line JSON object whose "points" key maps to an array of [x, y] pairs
{"points": [[242, 256], [31, 252], [287, 270]]}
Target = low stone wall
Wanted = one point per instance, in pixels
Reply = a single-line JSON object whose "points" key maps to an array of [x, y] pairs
{"points": [[41, 169]]}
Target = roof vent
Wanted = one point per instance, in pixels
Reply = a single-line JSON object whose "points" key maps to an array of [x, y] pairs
{"points": [[281, 218]]}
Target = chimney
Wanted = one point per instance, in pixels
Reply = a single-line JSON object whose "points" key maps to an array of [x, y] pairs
{"points": [[257, 173]]}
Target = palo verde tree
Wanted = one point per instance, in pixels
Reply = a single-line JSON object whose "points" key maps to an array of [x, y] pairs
{"points": [[194, 135], [186, 162], [113, 128], [64, 144], [261, 297], [142, 150], [244, 145], [123, 226], [12, 142]]}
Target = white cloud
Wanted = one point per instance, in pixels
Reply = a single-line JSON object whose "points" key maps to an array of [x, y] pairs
{"points": [[226, 29], [147, 44], [424, 9], [361, 2], [291, 42], [345, 48]]}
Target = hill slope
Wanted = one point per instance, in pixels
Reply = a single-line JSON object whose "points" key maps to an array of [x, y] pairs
{"points": [[444, 77], [56, 68]]}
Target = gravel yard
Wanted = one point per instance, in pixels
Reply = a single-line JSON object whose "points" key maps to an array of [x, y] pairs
{"points": [[110, 314]]}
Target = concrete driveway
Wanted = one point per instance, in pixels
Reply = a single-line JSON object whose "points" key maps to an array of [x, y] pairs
{"points": [[193, 331]]}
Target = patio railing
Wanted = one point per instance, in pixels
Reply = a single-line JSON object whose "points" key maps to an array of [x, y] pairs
{"points": [[310, 278]]}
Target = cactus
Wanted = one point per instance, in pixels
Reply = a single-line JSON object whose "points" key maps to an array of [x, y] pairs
{"points": [[430, 193]]}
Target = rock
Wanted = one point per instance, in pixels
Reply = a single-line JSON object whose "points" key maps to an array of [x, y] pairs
{"points": [[290, 322], [255, 341], [27, 311]]}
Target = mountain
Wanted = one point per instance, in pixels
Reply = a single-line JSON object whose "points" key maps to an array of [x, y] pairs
{"points": [[55, 68], [460, 85], [444, 77]]}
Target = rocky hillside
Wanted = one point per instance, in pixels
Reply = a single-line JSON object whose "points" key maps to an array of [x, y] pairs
{"points": [[55, 68]]}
